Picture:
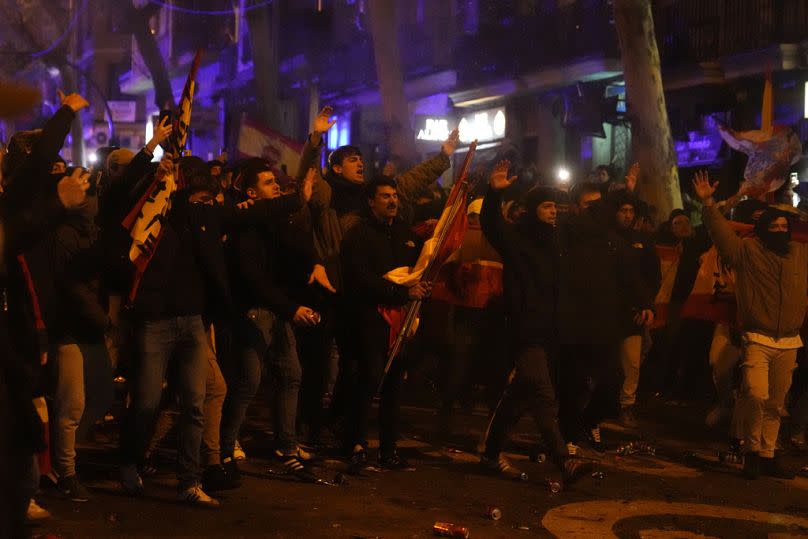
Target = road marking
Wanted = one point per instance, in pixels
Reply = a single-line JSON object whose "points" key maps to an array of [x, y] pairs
{"points": [[597, 518]]}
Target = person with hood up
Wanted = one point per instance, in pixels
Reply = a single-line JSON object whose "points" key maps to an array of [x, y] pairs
{"points": [[530, 280], [626, 210], [772, 282]]}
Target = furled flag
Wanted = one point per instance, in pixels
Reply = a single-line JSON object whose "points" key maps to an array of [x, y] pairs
{"points": [[257, 140], [445, 240], [145, 221]]}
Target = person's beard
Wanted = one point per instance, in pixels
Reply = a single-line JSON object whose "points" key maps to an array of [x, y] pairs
{"points": [[776, 242]]}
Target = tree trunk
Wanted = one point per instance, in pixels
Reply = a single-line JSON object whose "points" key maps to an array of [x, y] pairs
{"points": [[400, 136], [651, 140], [152, 57], [264, 24]]}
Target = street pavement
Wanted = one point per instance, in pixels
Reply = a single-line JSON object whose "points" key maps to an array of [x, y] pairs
{"points": [[682, 491]]}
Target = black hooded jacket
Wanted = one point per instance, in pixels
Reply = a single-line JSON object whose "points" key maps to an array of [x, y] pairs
{"points": [[599, 280], [530, 275]]}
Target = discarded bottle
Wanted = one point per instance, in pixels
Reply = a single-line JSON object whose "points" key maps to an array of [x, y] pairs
{"points": [[447, 529], [493, 512], [553, 486]]}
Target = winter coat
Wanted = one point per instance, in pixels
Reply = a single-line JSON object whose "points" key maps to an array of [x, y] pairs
{"points": [[270, 263], [529, 274], [188, 272], [371, 249], [770, 289], [337, 205], [598, 280]]}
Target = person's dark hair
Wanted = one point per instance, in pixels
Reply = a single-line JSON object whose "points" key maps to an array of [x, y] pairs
{"points": [[676, 213], [19, 147], [373, 185], [745, 210], [603, 167], [580, 189], [250, 171], [196, 175], [215, 163], [766, 218], [341, 153]]}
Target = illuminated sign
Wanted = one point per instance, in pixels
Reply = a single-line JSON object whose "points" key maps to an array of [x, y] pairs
{"points": [[484, 126], [434, 129]]}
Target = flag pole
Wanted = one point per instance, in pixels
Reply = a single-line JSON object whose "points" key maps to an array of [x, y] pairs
{"points": [[414, 307]]}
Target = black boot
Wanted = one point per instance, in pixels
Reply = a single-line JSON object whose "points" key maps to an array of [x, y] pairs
{"points": [[751, 466], [214, 478]]}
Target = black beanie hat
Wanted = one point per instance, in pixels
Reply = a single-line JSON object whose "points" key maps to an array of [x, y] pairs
{"points": [[537, 196]]}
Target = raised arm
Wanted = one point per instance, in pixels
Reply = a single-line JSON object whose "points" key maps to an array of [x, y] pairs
{"points": [[421, 176], [310, 159], [496, 230], [726, 241]]}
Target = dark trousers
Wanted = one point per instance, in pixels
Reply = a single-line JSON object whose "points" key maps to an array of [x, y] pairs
{"points": [[181, 340], [373, 334], [590, 384], [530, 390]]}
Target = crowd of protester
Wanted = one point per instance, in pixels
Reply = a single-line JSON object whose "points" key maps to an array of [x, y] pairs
{"points": [[559, 295]]}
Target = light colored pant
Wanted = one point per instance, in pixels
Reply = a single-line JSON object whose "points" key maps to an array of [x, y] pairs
{"points": [[215, 392], [766, 381], [724, 358], [69, 398], [631, 352]]}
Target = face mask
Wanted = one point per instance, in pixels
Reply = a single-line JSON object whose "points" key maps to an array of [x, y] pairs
{"points": [[776, 241]]}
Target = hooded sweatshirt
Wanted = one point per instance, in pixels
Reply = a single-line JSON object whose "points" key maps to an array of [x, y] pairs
{"points": [[770, 288]]}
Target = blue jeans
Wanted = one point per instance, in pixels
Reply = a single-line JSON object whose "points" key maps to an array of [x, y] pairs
{"points": [[263, 337], [181, 339]]}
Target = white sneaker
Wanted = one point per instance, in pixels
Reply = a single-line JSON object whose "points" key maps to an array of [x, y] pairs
{"points": [[238, 452], [36, 512], [300, 453], [194, 495]]}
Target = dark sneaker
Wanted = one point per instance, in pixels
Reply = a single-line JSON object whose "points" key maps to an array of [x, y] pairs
{"points": [[130, 480], [628, 417], [798, 439], [394, 461], [771, 467], [358, 460], [214, 478], [751, 466], [574, 468], [595, 441], [502, 466], [72, 489], [231, 469]]}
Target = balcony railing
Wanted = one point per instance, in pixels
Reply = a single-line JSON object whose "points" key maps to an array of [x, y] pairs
{"points": [[702, 30]]}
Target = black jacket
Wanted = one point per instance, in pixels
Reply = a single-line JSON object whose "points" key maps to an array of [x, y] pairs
{"points": [[645, 260], [30, 211], [79, 316], [270, 263], [369, 250], [188, 272], [530, 274], [598, 280]]}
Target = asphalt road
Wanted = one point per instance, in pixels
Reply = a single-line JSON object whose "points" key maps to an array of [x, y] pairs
{"points": [[670, 494]]}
